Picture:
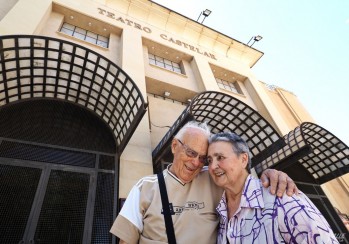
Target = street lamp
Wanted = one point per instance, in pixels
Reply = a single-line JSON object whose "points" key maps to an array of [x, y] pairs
{"points": [[255, 39], [205, 13]]}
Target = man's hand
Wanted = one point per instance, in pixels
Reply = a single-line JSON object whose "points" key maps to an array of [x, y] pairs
{"points": [[278, 180]]}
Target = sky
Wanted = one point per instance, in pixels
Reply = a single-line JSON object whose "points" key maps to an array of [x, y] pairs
{"points": [[305, 45]]}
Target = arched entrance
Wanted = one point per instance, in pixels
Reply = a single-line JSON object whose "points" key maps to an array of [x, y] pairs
{"points": [[57, 164], [66, 114]]}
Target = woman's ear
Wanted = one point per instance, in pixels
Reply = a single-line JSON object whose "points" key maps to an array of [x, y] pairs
{"points": [[244, 158]]}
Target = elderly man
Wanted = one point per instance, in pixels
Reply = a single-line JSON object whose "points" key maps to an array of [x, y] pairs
{"points": [[191, 191]]}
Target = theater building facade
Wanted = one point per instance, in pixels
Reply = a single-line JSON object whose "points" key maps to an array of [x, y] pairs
{"points": [[92, 92]]}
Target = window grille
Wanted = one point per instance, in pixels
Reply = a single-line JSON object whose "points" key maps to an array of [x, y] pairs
{"points": [[165, 63], [230, 86], [85, 35]]}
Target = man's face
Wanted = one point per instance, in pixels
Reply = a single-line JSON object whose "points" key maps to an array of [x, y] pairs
{"points": [[185, 166]]}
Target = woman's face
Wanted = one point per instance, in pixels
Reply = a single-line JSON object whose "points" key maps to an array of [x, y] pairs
{"points": [[225, 166]]}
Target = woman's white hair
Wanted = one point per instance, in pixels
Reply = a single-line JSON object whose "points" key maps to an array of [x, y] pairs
{"points": [[239, 145]]}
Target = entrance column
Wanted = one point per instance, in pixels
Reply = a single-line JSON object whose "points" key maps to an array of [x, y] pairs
{"points": [[208, 81], [136, 160], [271, 111]]}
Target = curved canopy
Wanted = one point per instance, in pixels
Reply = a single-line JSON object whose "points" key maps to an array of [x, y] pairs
{"points": [[225, 113], [309, 146], [321, 153], [44, 67]]}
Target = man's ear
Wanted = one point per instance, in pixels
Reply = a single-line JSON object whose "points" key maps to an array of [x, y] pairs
{"points": [[174, 144]]}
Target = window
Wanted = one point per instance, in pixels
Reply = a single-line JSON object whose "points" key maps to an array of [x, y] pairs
{"points": [[85, 35], [230, 86], [165, 63]]}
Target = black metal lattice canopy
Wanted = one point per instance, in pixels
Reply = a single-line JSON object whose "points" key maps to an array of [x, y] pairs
{"points": [[225, 113], [323, 155], [44, 67]]}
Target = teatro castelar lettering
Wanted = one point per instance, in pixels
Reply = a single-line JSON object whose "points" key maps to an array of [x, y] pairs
{"points": [[148, 30], [190, 47], [124, 21]]}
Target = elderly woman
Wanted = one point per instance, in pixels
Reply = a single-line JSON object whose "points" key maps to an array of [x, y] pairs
{"points": [[248, 212]]}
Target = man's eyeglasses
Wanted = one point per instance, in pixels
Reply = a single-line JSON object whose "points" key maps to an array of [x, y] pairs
{"points": [[193, 154]]}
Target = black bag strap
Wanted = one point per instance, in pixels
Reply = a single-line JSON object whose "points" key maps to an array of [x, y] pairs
{"points": [[167, 209]]}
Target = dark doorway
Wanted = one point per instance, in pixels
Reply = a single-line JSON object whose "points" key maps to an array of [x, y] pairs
{"points": [[57, 174]]}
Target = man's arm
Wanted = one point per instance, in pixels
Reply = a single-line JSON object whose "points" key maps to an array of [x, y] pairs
{"points": [[280, 181], [128, 224]]}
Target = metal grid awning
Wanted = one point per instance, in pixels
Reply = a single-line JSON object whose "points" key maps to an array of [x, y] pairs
{"points": [[321, 153], [225, 113], [45, 67]]}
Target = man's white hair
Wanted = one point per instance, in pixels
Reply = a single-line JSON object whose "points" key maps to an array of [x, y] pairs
{"points": [[194, 124]]}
